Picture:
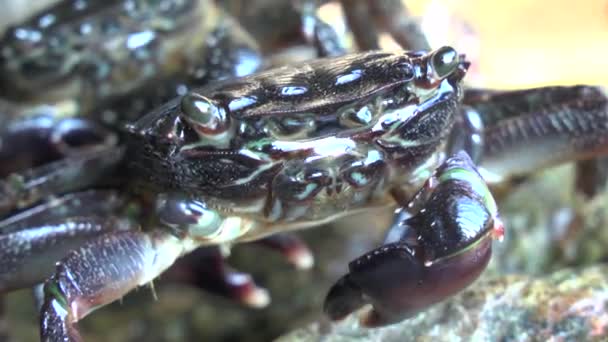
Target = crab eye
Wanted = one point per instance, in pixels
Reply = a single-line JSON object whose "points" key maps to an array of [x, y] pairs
{"points": [[206, 117], [444, 61]]}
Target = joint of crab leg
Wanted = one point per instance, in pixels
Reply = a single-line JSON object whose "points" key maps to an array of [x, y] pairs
{"points": [[467, 135], [442, 249], [37, 247], [100, 272], [56, 321], [205, 268], [526, 130], [292, 248]]}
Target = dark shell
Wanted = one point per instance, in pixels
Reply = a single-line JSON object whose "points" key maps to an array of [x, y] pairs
{"points": [[319, 86]]}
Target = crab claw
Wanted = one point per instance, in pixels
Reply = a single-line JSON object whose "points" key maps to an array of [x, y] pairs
{"points": [[440, 250]]}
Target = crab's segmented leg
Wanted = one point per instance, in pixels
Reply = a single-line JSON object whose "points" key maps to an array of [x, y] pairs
{"points": [[391, 15], [319, 33], [102, 271], [28, 254], [205, 268], [357, 15], [592, 176], [526, 130], [63, 156], [100, 203], [294, 249], [441, 249], [400, 24]]}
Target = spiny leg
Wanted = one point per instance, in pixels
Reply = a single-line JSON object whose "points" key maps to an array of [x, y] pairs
{"points": [[526, 130], [442, 248], [33, 240], [100, 272], [107, 267]]}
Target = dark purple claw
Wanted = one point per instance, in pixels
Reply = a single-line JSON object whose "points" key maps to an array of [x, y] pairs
{"points": [[442, 249]]}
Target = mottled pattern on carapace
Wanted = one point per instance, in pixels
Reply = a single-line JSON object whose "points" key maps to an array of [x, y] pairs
{"points": [[309, 140]]}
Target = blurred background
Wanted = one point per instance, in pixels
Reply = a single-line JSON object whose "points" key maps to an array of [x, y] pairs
{"points": [[512, 44]]}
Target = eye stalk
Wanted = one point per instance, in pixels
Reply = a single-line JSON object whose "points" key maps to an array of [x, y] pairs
{"points": [[206, 117], [444, 61]]}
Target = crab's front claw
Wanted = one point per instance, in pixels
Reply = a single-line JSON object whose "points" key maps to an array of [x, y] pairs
{"points": [[438, 251]]}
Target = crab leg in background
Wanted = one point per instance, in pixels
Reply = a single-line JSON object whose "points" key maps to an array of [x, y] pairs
{"points": [[391, 16], [42, 156], [527, 130], [206, 268]]}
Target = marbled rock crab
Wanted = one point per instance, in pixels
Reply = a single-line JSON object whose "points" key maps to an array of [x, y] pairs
{"points": [[240, 154]]}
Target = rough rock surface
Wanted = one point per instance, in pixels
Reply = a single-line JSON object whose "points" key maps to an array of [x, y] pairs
{"points": [[568, 305]]}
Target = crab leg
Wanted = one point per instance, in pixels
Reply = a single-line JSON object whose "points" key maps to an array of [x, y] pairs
{"points": [[527, 130], [87, 203], [391, 15], [441, 249], [317, 32], [291, 247], [206, 268], [357, 16], [592, 176], [102, 271], [402, 26], [29, 254], [58, 152]]}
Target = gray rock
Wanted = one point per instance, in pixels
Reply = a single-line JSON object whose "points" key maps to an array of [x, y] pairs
{"points": [[568, 305]]}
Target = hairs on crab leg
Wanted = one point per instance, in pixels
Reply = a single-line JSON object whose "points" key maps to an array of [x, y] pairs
{"points": [[442, 248], [526, 130], [109, 266], [101, 272]]}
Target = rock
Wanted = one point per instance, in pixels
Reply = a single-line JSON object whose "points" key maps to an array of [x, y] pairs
{"points": [[568, 305]]}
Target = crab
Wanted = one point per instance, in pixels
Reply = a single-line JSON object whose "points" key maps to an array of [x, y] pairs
{"points": [[115, 199]]}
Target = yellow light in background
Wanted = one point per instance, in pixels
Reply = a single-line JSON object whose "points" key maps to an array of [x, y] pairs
{"points": [[531, 43]]}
